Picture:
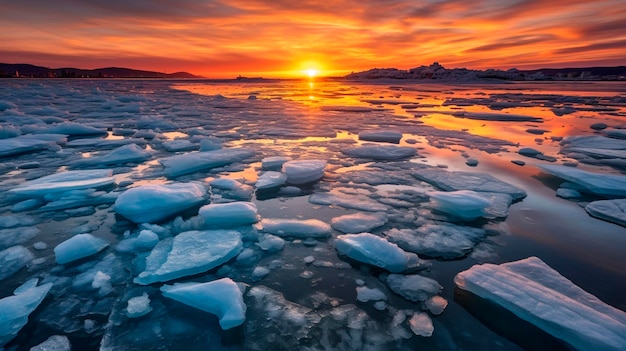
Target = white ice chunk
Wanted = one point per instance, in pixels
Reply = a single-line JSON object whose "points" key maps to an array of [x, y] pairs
{"points": [[222, 298], [102, 282], [197, 161], [123, 154], [274, 162], [609, 210], [421, 324], [303, 171], [464, 204], [365, 294], [16, 309], [307, 228], [358, 222], [13, 259], [381, 152], [374, 250], [594, 183], [388, 136], [444, 240], [535, 292], [65, 181], [231, 214], [138, 306], [54, 343], [259, 273], [270, 179], [77, 247], [357, 202], [155, 202], [189, 253], [413, 287]]}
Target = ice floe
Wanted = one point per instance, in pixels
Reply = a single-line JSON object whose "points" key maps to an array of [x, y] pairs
{"points": [[54, 343], [358, 222], [231, 214], [303, 171], [270, 180], [138, 306], [22, 144], [65, 181], [178, 165], [357, 202], [381, 152], [376, 251], [300, 228], [13, 259], [155, 202], [609, 210], [593, 183], [189, 253], [221, 297], [77, 247], [535, 292], [413, 287], [16, 308], [441, 240], [464, 204], [123, 154], [387, 136]]}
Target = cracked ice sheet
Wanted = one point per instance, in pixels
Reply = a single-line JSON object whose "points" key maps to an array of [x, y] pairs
{"points": [[535, 292]]}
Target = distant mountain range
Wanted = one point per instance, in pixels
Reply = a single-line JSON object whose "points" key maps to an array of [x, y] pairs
{"points": [[8, 70], [438, 72]]}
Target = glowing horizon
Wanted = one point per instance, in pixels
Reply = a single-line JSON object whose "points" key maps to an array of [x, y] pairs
{"points": [[223, 39]]}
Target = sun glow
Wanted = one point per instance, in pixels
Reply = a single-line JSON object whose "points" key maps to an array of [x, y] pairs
{"points": [[311, 72]]}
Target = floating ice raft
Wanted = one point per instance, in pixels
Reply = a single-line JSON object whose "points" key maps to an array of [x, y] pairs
{"points": [[594, 183], [540, 295], [16, 309], [609, 210], [197, 161], [65, 181]]}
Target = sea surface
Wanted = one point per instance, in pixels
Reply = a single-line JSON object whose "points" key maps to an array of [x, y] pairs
{"points": [[447, 123]]}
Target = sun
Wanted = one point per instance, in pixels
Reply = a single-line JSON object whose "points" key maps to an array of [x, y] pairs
{"points": [[311, 72]]}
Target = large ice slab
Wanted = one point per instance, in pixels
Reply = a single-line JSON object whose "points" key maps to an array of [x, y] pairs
{"points": [[357, 202], [65, 181], [21, 145], [71, 128], [189, 253], [381, 152], [594, 183], [535, 292], [231, 214], [303, 171], [16, 309], [154, 202], [609, 210], [198, 161], [301, 228], [221, 297], [77, 247], [376, 251], [479, 182]]}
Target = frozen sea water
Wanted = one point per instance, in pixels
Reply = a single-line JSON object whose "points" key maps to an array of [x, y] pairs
{"points": [[356, 158]]}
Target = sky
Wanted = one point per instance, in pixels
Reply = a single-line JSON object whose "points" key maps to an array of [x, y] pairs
{"points": [[280, 38]]}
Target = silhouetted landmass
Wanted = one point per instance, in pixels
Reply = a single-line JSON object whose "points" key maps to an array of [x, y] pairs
{"points": [[8, 70], [438, 72]]}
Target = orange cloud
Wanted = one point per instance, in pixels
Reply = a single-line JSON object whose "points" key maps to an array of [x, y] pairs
{"points": [[230, 37]]}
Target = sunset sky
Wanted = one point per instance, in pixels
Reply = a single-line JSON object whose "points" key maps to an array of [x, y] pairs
{"points": [[224, 38]]}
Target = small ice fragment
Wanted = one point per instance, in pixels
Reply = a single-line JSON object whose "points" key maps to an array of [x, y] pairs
{"points": [[465, 204], [365, 294], [274, 162], [40, 245], [387, 136], [138, 306], [421, 324], [313, 228], [413, 287], [13, 259], [270, 179], [259, 273], [309, 259], [436, 304], [271, 243]]}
